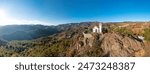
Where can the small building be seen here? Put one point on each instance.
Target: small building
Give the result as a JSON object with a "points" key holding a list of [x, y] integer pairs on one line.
{"points": [[141, 38], [97, 29]]}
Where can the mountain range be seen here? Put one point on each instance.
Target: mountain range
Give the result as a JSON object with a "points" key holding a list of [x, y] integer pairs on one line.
{"points": [[26, 32], [119, 39]]}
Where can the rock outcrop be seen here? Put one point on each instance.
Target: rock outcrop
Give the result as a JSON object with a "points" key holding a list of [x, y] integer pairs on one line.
{"points": [[113, 45], [116, 45]]}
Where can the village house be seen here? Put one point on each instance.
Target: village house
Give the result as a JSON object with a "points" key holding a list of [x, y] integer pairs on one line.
{"points": [[97, 29], [88, 37]]}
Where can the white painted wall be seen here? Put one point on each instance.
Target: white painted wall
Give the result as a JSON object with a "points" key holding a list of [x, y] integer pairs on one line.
{"points": [[98, 29]]}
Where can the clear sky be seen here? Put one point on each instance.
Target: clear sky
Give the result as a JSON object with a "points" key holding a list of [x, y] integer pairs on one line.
{"points": [[53, 12]]}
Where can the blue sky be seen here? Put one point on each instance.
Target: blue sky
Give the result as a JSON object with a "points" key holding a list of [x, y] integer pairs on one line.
{"points": [[51, 12]]}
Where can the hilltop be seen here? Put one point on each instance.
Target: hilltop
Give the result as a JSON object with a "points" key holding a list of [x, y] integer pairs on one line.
{"points": [[119, 39]]}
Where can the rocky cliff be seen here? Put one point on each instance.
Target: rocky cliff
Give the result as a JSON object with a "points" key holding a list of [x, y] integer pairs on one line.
{"points": [[112, 45]]}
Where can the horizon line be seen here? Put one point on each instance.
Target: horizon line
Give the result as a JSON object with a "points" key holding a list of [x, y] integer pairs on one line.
{"points": [[72, 22]]}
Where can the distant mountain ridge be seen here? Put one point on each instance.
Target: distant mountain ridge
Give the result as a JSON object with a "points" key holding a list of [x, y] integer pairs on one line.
{"points": [[29, 32], [26, 32]]}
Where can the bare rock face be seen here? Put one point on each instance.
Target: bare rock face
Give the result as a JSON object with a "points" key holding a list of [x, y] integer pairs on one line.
{"points": [[115, 45], [111, 45], [147, 49]]}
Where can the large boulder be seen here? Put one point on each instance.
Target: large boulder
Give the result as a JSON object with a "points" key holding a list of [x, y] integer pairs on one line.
{"points": [[116, 45]]}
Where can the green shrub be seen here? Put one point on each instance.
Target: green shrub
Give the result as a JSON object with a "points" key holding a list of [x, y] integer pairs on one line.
{"points": [[124, 31], [147, 34], [57, 49]]}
